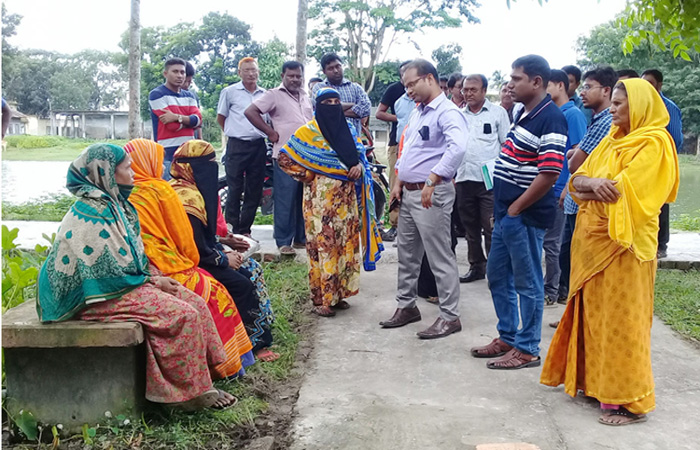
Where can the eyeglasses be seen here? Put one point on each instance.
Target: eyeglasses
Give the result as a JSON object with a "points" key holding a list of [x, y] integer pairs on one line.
{"points": [[470, 91], [587, 87], [412, 84]]}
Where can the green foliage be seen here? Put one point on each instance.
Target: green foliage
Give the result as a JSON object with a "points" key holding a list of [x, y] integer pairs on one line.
{"points": [[386, 73], [48, 148], [677, 301], [497, 79], [270, 60], [687, 222], [21, 141], [28, 424], [447, 58], [669, 25], [20, 269], [50, 209], [681, 78], [362, 30]]}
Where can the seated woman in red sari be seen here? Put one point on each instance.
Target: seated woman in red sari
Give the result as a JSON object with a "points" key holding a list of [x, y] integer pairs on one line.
{"points": [[97, 270], [169, 243]]}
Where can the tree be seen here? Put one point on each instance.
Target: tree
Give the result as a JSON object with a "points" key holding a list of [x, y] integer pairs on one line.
{"points": [[270, 60], [302, 20], [135, 70], [385, 74], [681, 78], [497, 79], [364, 30], [447, 58]]}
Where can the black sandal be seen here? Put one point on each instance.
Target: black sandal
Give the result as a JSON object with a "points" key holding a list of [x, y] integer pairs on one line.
{"points": [[634, 418]]}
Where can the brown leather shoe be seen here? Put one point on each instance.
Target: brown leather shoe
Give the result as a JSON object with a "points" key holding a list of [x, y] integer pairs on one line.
{"points": [[496, 348], [402, 317], [441, 328]]}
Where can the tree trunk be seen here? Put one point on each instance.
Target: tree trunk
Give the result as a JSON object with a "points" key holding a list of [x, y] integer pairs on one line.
{"points": [[302, 19], [135, 70]]}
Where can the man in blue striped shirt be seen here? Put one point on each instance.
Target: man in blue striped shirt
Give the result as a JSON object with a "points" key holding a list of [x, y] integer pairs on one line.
{"points": [[675, 128]]}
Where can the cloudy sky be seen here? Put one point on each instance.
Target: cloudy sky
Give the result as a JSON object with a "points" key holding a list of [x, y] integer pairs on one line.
{"points": [[503, 34]]}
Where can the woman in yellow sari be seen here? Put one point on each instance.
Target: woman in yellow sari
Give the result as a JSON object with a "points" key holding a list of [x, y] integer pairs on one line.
{"points": [[602, 345], [170, 246]]}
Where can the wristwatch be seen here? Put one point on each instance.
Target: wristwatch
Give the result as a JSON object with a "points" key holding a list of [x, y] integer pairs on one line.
{"points": [[429, 183], [179, 119]]}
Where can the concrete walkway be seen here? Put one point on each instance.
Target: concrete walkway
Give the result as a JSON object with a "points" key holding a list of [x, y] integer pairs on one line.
{"points": [[371, 388]]}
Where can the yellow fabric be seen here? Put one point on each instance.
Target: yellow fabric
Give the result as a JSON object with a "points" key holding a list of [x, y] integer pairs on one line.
{"points": [[165, 229], [644, 164], [603, 342], [183, 178]]}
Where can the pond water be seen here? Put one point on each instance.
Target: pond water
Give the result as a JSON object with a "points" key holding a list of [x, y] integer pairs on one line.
{"points": [[23, 181]]}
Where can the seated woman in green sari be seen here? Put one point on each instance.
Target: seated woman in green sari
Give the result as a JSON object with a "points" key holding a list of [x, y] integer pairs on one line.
{"points": [[97, 270], [329, 158]]}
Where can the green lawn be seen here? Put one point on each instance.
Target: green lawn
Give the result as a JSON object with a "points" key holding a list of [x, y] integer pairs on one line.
{"points": [[677, 301]]}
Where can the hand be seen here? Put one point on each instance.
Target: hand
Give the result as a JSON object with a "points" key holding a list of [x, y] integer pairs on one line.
{"points": [[273, 137], [166, 284], [236, 243], [426, 196], [604, 189], [562, 197], [169, 117], [513, 211], [235, 260], [395, 193], [355, 172]]}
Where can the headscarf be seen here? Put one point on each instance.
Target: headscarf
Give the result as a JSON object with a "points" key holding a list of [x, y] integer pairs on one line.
{"points": [[165, 229], [309, 148], [334, 127], [98, 254], [644, 164], [195, 177]]}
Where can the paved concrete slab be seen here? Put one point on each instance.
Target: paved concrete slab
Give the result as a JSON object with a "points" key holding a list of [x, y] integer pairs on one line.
{"points": [[370, 388]]}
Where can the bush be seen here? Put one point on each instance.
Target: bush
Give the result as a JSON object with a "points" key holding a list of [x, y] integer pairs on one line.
{"points": [[27, 141], [50, 209], [211, 132], [20, 269]]}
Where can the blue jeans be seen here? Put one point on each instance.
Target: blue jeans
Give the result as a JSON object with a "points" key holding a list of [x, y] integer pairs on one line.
{"points": [[514, 269], [167, 162], [288, 212]]}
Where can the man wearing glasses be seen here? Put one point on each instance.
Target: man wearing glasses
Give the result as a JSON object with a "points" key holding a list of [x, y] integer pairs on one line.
{"points": [[435, 140], [488, 129]]}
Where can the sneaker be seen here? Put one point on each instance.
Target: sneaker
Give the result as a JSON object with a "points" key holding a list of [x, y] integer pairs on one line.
{"points": [[562, 301], [660, 254], [389, 235], [548, 301]]}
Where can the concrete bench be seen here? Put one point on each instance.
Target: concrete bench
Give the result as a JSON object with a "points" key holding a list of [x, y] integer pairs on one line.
{"points": [[72, 372]]}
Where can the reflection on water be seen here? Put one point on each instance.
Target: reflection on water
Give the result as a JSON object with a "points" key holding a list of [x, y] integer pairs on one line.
{"points": [[29, 180], [688, 201]]}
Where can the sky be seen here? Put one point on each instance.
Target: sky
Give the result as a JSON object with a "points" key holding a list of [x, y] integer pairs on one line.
{"points": [[502, 36]]}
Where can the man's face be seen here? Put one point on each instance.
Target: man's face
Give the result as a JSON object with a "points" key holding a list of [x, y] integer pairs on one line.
{"points": [[522, 87], [334, 72], [175, 75], [249, 72], [293, 79], [456, 92], [573, 85], [593, 94], [417, 86], [402, 70], [557, 91], [474, 92], [187, 83], [653, 82], [505, 97], [443, 86]]}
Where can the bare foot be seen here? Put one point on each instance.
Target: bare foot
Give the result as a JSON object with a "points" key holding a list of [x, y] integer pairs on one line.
{"points": [[619, 417], [224, 401], [266, 355]]}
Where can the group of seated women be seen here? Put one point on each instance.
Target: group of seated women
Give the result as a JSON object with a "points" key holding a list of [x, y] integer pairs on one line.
{"points": [[134, 247]]}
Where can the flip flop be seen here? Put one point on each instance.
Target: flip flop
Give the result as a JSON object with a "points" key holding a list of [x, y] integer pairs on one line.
{"points": [[203, 401], [222, 395], [316, 311], [634, 418]]}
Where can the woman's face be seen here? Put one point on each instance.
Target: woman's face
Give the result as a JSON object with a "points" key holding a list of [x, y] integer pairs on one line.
{"points": [[620, 109], [124, 174], [331, 101]]}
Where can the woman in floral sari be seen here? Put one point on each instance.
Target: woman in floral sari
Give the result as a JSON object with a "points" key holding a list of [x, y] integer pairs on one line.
{"points": [[97, 270], [329, 158], [602, 345], [194, 174], [169, 244]]}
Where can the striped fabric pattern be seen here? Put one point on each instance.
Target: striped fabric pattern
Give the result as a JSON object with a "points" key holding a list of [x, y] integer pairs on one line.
{"points": [[172, 135]]}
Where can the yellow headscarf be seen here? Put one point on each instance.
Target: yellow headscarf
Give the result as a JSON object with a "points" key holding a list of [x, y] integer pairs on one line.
{"points": [[644, 164], [183, 178]]}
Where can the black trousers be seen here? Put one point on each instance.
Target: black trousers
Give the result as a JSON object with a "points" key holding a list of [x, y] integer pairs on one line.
{"points": [[475, 205], [664, 227], [245, 173]]}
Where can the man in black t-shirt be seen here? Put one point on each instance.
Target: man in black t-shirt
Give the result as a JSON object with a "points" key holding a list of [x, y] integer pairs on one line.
{"points": [[386, 112]]}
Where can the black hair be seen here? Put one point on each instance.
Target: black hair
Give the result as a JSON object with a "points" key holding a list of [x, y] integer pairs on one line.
{"points": [[534, 66], [401, 66], [423, 68], [189, 69], [605, 75], [629, 73], [454, 79], [175, 62], [480, 77], [656, 73], [559, 76], [292, 65], [573, 70], [329, 58], [442, 78], [315, 80]]}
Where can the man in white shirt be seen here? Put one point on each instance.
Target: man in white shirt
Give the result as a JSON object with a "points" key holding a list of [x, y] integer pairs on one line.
{"points": [[488, 127]]}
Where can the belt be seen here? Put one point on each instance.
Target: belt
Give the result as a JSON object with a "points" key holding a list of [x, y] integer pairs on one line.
{"points": [[414, 186]]}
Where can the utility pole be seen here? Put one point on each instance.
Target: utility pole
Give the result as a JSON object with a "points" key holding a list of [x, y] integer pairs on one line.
{"points": [[302, 18], [135, 70]]}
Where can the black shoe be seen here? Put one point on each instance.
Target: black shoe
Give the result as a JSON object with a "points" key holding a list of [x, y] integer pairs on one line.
{"points": [[562, 300], [472, 275], [660, 254], [389, 235], [549, 301]]}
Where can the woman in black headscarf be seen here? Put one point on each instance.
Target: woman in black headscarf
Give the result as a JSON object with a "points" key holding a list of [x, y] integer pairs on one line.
{"points": [[328, 157]]}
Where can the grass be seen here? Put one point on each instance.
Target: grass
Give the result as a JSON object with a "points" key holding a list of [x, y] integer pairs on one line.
{"points": [[48, 148], [677, 301], [209, 429]]}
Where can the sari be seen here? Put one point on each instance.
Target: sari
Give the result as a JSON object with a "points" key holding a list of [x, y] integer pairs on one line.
{"points": [[169, 245], [602, 345], [97, 270]]}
